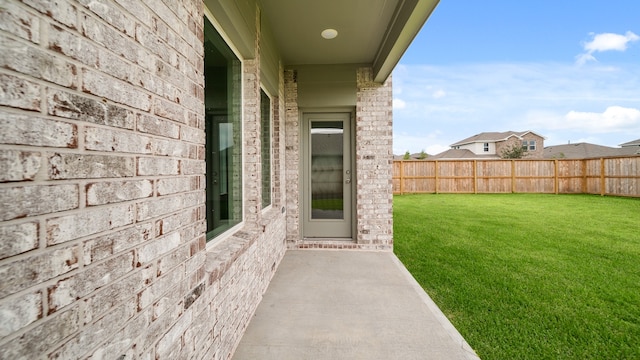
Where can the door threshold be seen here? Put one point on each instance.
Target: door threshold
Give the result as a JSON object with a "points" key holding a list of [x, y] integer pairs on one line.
{"points": [[319, 239], [327, 244]]}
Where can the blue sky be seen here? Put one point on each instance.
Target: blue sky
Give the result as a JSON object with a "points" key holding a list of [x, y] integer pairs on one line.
{"points": [[568, 70]]}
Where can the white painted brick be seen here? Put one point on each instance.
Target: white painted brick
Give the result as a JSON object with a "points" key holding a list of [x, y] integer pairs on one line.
{"points": [[19, 165], [60, 10], [44, 336], [157, 289], [76, 166], [115, 66], [117, 292], [35, 131], [18, 238], [175, 221], [157, 166], [192, 135], [169, 110], [157, 248], [100, 139], [31, 271], [174, 185], [111, 14], [21, 201], [158, 126], [20, 93], [36, 62], [70, 44], [65, 291], [19, 22], [115, 90], [172, 338], [109, 37], [102, 247], [92, 335], [119, 346], [173, 259], [192, 167], [88, 222], [19, 313], [169, 148], [117, 191]]}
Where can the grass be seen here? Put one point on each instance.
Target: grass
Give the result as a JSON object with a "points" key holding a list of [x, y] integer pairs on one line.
{"points": [[528, 276]]}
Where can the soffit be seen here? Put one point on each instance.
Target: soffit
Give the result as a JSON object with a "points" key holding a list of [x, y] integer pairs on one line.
{"points": [[369, 31]]}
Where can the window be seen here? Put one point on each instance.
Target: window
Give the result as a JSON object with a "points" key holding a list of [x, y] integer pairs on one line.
{"points": [[529, 145], [223, 120], [486, 147], [265, 144]]}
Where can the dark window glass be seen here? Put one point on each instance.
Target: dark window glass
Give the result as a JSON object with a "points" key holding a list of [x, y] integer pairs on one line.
{"points": [[265, 144], [223, 105]]}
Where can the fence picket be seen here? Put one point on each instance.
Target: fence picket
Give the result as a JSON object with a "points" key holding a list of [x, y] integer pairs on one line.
{"points": [[618, 176]]}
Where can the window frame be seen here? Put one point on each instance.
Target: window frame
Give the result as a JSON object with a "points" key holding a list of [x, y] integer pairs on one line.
{"points": [[211, 242], [529, 145], [485, 147], [264, 91]]}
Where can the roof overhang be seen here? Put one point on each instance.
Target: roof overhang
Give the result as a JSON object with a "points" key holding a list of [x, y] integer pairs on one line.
{"points": [[375, 33]]}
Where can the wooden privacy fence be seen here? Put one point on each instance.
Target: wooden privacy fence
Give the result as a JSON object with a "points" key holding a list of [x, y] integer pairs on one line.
{"points": [[618, 176]]}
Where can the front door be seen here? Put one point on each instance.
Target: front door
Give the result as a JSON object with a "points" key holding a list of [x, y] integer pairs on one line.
{"points": [[327, 175]]}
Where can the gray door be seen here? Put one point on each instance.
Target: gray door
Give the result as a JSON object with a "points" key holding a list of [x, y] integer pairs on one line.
{"points": [[327, 175]]}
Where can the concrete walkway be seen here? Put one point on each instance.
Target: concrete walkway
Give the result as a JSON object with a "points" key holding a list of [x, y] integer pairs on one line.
{"points": [[348, 305]]}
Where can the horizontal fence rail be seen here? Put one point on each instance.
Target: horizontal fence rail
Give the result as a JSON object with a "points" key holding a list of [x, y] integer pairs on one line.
{"points": [[618, 176]]}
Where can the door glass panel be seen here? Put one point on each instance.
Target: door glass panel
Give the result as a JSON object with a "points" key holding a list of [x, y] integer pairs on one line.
{"points": [[327, 150]]}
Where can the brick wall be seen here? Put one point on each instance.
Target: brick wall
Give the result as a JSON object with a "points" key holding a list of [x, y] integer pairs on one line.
{"points": [[374, 162], [292, 156], [102, 169]]}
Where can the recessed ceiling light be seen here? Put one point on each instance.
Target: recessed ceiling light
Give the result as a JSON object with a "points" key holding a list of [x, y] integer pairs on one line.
{"points": [[329, 33]]}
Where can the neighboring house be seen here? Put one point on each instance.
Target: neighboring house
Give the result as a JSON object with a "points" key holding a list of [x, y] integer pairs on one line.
{"points": [[157, 158], [585, 151], [462, 154], [631, 147], [490, 145], [414, 156]]}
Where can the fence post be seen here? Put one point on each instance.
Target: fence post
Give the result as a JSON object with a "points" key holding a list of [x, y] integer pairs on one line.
{"points": [[401, 177], [513, 176], [475, 176], [602, 179], [584, 176], [437, 170], [556, 180]]}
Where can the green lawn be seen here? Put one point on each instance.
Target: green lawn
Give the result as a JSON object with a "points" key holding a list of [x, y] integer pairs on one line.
{"points": [[528, 276]]}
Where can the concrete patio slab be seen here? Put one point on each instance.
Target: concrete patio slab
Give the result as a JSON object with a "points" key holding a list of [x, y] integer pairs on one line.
{"points": [[327, 304]]}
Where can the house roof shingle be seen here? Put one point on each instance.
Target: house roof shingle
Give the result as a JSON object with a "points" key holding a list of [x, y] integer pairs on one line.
{"points": [[493, 137], [453, 154], [585, 151], [631, 143]]}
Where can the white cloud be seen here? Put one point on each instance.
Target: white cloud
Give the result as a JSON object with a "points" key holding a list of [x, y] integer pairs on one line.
{"points": [[609, 41], [614, 118], [605, 42], [439, 94], [561, 101], [399, 104]]}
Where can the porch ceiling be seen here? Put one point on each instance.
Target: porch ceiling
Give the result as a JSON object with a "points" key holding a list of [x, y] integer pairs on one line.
{"points": [[375, 32]]}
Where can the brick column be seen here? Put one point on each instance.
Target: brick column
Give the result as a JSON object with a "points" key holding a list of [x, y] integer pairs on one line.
{"points": [[292, 156], [374, 162]]}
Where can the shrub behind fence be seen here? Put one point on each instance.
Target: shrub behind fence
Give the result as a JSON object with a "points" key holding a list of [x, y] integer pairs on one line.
{"points": [[619, 176]]}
